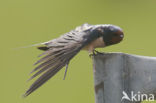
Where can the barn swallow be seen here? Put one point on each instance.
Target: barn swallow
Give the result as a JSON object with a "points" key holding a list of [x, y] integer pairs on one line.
{"points": [[58, 52]]}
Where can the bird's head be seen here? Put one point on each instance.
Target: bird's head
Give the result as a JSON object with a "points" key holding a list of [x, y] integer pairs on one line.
{"points": [[111, 34]]}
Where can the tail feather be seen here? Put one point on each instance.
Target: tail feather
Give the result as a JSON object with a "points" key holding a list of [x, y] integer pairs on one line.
{"points": [[34, 45], [44, 48]]}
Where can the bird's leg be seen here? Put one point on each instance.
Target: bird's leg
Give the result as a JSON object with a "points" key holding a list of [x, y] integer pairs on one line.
{"points": [[92, 54], [95, 52]]}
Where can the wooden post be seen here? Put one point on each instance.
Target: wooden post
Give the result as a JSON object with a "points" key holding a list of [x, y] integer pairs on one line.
{"points": [[117, 73]]}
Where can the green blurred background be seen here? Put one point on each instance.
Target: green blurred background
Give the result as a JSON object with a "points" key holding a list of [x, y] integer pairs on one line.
{"points": [[26, 22]]}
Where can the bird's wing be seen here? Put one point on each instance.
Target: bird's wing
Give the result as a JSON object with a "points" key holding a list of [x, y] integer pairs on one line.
{"points": [[60, 51]]}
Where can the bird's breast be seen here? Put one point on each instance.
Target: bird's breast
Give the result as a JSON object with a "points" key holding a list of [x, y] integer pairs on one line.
{"points": [[98, 43]]}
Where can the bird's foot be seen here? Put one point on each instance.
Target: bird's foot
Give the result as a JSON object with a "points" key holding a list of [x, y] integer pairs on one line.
{"points": [[95, 52], [91, 55]]}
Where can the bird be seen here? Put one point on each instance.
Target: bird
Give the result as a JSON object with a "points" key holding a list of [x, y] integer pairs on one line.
{"points": [[58, 52]]}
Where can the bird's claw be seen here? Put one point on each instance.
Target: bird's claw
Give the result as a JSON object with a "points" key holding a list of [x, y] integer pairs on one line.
{"points": [[90, 55], [95, 52]]}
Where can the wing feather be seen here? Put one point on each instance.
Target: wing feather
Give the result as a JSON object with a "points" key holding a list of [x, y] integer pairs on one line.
{"points": [[51, 70], [59, 54]]}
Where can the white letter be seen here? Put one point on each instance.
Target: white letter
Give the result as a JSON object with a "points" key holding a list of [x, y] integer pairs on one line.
{"points": [[144, 97], [151, 97], [133, 96]]}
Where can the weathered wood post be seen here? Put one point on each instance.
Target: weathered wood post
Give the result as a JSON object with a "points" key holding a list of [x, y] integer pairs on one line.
{"points": [[120, 76]]}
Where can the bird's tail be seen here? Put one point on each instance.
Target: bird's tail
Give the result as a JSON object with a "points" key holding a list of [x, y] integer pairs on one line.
{"points": [[38, 45], [34, 45]]}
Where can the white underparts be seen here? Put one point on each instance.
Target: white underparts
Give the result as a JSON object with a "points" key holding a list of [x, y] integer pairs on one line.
{"points": [[98, 43]]}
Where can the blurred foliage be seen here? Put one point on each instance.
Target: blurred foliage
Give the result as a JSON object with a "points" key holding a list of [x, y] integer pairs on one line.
{"points": [[26, 22]]}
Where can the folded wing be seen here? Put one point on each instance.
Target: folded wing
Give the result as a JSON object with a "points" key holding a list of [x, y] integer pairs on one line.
{"points": [[57, 53]]}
